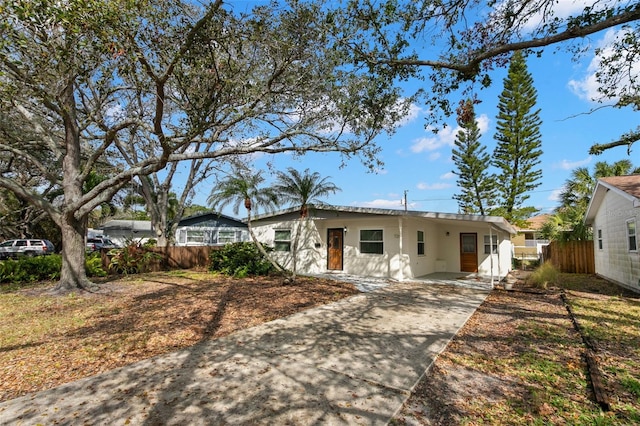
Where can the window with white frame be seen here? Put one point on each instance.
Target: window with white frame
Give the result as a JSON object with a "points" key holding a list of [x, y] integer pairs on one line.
{"points": [[599, 239], [371, 241], [420, 243], [631, 235], [225, 237], [195, 236], [490, 244], [282, 240]]}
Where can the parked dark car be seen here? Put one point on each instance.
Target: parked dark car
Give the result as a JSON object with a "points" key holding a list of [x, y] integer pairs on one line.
{"points": [[25, 247], [98, 243]]}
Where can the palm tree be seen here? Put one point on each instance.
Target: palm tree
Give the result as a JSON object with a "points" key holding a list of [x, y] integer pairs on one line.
{"points": [[242, 188], [567, 223], [302, 189]]}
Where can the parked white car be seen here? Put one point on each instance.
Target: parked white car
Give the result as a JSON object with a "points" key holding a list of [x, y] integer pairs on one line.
{"points": [[26, 247]]}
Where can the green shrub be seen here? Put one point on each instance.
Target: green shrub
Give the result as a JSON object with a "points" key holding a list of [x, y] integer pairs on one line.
{"points": [[239, 260], [31, 269], [132, 259], [516, 263], [93, 265], [544, 275]]}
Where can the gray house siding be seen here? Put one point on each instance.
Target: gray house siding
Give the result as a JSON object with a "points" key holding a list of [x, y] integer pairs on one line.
{"points": [[210, 229]]}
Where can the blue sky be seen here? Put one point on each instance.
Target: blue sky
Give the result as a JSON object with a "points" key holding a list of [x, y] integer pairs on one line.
{"points": [[420, 162]]}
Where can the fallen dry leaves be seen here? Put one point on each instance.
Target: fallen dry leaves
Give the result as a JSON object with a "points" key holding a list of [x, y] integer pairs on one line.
{"points": [[48, 340], [519, 360]]}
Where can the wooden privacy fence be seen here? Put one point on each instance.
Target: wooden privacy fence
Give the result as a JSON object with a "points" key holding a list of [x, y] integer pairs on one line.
{"points": [[175, 257], [185, 257], [572, 256]]}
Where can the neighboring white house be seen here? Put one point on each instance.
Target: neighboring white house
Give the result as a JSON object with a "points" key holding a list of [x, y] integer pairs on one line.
{"points": [[121, 231], [389, 243], [210, 229], [614, 213]]}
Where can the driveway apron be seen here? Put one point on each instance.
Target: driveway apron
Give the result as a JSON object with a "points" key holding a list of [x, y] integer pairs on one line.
{"points": [[351, 362]]}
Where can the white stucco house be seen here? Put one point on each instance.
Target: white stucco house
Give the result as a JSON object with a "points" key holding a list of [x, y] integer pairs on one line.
{"points": [[395, 244], [614, 213]]}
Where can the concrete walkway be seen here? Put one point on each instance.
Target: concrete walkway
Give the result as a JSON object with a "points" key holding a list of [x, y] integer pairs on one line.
{"points": [[351, 362]]}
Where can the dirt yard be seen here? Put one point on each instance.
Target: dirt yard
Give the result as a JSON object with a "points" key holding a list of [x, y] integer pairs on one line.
{"points": [[49, 340], [518, 360]]}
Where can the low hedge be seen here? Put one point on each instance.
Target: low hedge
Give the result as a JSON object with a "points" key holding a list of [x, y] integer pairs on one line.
{"points": [[40, 268]]}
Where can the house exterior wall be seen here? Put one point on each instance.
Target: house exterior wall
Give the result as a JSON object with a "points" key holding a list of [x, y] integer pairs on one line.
{"points": [[205, 230], [520, 250], [448, 248], [400, 259], [527, 245], [614, 260], [209, 236]]}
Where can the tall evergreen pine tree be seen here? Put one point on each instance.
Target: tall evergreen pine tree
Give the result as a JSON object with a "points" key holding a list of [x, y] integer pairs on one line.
{"points": [[518, 150], [472, 162]]}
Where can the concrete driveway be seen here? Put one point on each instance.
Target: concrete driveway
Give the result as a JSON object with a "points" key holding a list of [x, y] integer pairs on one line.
{"points": [[351, 362]]}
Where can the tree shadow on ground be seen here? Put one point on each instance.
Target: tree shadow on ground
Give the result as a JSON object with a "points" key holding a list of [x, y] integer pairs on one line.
{"points": [[353, 361]]}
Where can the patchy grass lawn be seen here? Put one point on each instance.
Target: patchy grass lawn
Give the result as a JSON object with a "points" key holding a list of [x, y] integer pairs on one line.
{"points": [[48, 340], [520, 361], [517, 361]]}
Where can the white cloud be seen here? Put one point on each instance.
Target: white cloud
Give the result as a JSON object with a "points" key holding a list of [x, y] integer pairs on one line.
{"points": [[114, 113], [570, 165], [555, 194], [433, 186], [446, 137], [380, 204], [434, 156], [483, 123], [443, 138], [586, 88], [561, 9], [448, 176], [413, 113]]}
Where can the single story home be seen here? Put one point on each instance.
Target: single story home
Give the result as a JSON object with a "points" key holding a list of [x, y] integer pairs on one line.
{"points": [[528, 243], [395, 244], [210, 229], [614, 213]]}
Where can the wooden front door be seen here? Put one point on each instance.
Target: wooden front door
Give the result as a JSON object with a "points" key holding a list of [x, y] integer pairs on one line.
{"points": [[468, 252], [335, 248]]}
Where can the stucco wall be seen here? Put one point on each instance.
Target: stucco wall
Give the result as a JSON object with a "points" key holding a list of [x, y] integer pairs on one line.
{"points": [[614, 261], [400, 259]]}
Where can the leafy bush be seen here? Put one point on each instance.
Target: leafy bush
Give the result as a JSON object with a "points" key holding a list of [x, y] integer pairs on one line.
{"points": [[544, 275], [30, 269], [239, 260], [133, 258], [93, 265]]}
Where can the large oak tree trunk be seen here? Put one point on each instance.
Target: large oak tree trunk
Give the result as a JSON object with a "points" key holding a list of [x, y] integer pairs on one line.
{"points": [[73, 275]]}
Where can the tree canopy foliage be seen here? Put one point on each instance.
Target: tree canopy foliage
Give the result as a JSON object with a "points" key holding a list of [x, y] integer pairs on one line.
{"points": [[472, 164], [567, 222], [519, 143], [456, 44], [137, 87], [143, 85]]}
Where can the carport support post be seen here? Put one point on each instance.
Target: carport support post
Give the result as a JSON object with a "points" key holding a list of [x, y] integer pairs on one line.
{"points": [[491, 253], [401, 254]]}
